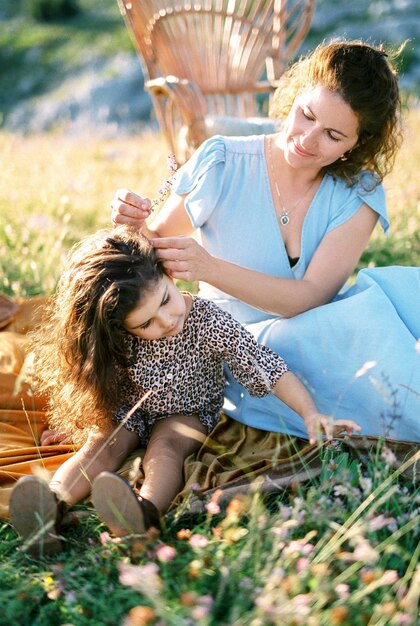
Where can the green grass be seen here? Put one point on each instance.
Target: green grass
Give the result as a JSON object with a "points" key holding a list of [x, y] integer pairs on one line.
{"points": [[55, 189], [402, 246], [37, 57], [341, 549], [326, 553]]}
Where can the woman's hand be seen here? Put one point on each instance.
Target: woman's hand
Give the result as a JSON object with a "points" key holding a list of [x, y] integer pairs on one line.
{"points": [[183, 258], [318, 424], [129, 208], [49, 437]]}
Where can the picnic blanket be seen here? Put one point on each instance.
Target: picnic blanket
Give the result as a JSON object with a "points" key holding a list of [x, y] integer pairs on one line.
{"points": [[232, 458]]}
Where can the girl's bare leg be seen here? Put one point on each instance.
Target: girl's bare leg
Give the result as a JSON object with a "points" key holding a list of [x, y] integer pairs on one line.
{"points": [[172, 440], [73, 480], [34, 511]]}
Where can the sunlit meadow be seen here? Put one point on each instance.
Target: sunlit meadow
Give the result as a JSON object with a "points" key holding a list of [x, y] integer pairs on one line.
{"points": [[340, 549]]}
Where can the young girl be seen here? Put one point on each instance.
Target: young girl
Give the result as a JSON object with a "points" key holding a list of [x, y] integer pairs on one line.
{"points": [[123, 348]]}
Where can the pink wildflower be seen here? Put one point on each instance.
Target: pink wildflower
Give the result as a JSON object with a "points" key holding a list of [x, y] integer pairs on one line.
{"points": [[277, 574], [140, 577], [365, 552], [280, 532], [205, 600], [389, 577], [302, 564], [171, 163], [403, 619], [200, 612], [366, 484], [388, 457], [376, 523], [343, 591], [285, 511], [165, 553], [301, 604], [105, 538], [262, 521], [213, 508], [198, 541], [298, 547], [166, 187]]}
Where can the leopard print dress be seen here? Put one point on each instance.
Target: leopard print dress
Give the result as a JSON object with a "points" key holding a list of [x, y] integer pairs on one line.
{"points": [[184, 373]]}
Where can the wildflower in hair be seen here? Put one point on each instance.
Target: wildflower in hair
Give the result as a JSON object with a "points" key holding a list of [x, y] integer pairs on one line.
{"points": [[164, 191]]}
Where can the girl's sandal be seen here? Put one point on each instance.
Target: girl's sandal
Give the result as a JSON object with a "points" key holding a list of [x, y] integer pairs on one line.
{"points": [[120, 509], [36, 514]]}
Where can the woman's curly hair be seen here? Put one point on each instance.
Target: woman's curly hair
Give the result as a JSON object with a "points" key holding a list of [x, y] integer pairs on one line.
{"points": [[80, 348], [365, 77]]}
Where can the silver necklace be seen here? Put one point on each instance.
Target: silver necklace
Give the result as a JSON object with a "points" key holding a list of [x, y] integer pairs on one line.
{"points": [[285, 213]]}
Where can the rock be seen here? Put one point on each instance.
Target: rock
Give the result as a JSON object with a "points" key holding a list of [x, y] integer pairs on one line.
{"points": [[379, 21], [106, 97]]}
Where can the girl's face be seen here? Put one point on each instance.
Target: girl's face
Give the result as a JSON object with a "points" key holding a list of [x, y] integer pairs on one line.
{"points": [[320, 128], [160, 313]]}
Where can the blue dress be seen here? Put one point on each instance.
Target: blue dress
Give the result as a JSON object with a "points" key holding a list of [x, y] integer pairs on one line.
{"points": [[358, 355]]}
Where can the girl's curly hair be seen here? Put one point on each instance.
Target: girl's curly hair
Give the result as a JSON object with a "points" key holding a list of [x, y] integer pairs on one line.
{"points": [[80, 349], [366, 79]]}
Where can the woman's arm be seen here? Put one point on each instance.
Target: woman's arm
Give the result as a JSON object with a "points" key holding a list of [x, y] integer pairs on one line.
{"points": [[330, 267], [169, 221]]}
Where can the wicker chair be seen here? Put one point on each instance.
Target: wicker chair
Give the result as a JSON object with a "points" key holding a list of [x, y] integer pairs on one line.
{"points": [[204, 61]]}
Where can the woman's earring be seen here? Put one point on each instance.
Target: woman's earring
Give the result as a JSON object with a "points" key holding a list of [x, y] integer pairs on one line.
{"points": [[343, 157]]}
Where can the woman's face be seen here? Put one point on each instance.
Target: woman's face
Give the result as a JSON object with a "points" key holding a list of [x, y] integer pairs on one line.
{"points": [[160, 313], [320, 128]]}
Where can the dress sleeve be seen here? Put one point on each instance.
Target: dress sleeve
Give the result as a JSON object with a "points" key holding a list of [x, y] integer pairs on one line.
{"points": [[202, 179], [349, 200], [253, 365]]}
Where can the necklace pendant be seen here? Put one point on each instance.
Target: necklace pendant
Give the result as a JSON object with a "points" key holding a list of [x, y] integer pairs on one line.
{"points": [[284, 218]]}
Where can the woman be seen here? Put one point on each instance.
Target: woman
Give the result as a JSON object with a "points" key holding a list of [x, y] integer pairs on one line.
{"points": [[282, 221]]}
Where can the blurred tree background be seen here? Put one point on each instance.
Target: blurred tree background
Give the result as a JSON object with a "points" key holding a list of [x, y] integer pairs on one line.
{"points": [[62, 61]]}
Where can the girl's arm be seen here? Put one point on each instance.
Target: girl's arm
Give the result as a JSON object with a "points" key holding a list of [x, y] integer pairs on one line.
{"points": [[260, 370], [330, 267], [292, 392]]}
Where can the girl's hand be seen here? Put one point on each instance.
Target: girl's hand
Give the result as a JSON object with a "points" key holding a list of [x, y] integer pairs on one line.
{"points": [[183, 258], [318, 424], [48, 437], [129, 208]]}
